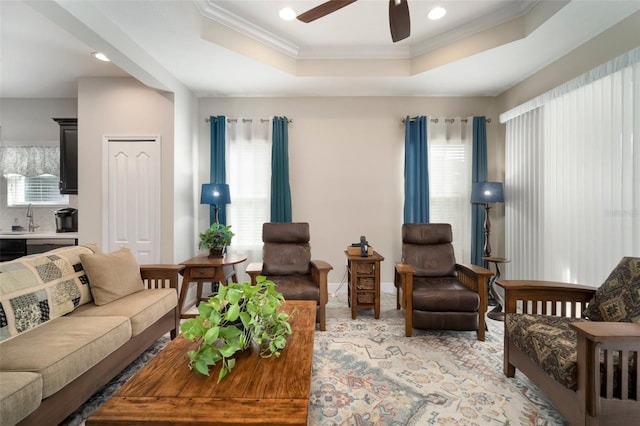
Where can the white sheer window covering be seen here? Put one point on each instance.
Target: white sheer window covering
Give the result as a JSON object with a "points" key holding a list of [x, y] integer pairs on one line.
{"points": [[573, 182], [248, 166], [450, 144]]}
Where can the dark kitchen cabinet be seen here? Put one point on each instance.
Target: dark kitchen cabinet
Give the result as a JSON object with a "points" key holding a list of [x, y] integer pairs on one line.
{"points": [[68, 155]]}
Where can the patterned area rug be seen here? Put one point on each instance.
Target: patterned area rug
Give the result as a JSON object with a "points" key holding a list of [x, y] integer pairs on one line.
{"points": [[365, 372]]}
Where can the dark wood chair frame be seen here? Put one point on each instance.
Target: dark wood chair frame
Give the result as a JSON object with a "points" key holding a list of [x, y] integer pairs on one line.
{"points": [[472, 276], [596, 341], [58, 406]]}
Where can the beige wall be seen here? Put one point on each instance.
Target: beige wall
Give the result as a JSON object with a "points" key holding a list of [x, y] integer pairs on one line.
{"points": [[346, 164], [121, 107]]}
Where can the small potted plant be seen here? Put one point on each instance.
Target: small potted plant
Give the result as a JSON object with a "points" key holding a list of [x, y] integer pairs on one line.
{"points": [[216, 238], [235, 317]]}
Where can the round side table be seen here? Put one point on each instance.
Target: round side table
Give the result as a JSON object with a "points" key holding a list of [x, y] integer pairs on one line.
{"points": [[496, 313]]}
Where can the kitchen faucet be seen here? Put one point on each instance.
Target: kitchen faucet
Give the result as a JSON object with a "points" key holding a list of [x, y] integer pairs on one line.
{"points": [[32, 227]]}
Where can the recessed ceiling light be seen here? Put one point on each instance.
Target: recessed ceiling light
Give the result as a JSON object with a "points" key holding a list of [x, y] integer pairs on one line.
{"points": [[101, 56], [437, 13], [287, 14]]}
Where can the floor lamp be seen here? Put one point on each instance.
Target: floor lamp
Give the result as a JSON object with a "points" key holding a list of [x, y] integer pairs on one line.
{"points": [[487, 193]]}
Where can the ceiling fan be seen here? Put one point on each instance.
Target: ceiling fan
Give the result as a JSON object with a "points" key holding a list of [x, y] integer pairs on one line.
{"points": [[399, 22]]}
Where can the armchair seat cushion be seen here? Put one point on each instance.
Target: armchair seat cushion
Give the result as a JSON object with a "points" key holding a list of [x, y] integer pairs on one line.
{"points": [[296, 287], [551, 344], [548, 341], [443, 294]]}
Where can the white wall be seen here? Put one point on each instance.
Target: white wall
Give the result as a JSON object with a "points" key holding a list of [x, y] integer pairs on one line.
{"points": [[121, 107], [182, 228], [346, 165], [29, 122]]}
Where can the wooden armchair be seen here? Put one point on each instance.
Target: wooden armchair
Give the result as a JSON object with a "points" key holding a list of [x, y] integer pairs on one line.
{"points": [[287, 262], [436, 292], [587, 368]]}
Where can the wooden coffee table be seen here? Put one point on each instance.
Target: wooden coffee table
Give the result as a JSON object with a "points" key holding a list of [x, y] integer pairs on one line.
{"points": [[259, 391]]}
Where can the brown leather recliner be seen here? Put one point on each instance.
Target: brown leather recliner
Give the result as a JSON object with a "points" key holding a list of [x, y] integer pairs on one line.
{"points": [[436, 292], [287, 262]]}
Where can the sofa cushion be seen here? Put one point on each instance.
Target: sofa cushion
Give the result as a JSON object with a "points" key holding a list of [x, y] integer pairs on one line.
{"points": [[618, 298], [142, 308], [113, 275], [20, 395], [65, 348], [35, 289]]}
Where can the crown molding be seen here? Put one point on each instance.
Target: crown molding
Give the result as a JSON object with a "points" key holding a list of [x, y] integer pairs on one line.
{"points": [[214, 12]]}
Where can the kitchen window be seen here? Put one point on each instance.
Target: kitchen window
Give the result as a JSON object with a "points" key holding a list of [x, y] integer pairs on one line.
{"points": [[36, 190], [31, 174]]}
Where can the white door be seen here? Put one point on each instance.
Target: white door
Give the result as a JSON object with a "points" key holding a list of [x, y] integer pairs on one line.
{"points": [[133, 197]]}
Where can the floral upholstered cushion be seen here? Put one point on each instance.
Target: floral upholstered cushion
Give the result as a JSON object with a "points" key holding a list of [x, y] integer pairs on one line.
{"points": [[552, 345], [618, 298], [38, 288], [548, 341]]}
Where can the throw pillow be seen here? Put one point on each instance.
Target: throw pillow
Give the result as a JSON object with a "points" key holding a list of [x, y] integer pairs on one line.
{"points": [[112, 276], [618, 298]]}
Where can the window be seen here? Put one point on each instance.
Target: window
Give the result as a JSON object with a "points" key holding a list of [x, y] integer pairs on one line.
{"points": [[36, 190], [248, 167], [450, 145], [31, 175]]}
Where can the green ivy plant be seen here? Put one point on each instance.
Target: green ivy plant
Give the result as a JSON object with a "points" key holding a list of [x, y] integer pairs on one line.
{"points": [[216, 236], [238, 315]]}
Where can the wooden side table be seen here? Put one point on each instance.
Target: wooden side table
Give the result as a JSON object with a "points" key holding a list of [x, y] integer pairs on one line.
{"points": [[364, 282], [497, 312], [204, 269]]}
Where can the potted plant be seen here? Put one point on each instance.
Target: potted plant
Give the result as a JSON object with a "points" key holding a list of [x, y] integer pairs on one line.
{"points": [[235, 317], [216, 238]]}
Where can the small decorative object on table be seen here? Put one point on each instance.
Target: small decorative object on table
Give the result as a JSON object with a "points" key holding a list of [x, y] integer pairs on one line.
{"points": [[238, 315], [216, 239]]}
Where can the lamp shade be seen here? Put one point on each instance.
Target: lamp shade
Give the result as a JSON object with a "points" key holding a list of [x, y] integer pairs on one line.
{"points": [[215, 193], [487, 193]]}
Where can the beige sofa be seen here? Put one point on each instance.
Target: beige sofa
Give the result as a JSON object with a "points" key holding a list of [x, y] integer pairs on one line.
{"points": [[70, 320]]}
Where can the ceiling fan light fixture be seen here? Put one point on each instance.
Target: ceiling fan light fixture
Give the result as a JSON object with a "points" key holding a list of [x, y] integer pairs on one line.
{"points": [[287, 14], [100, 56], [436, 13]]}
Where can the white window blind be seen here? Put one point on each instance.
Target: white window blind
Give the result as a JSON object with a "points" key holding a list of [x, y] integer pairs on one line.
{"points": [[36, 190], [248, 168], [450, 145]]}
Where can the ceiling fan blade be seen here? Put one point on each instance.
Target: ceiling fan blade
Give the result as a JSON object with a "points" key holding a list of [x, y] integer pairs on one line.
{"points": [[323, 10], [399, 21]]}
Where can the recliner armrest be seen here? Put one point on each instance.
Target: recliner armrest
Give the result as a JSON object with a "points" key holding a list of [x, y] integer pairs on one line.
{"points": [[321, 265]]}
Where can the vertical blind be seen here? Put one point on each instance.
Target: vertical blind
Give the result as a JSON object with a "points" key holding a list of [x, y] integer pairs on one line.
{"points": [[573, 182]]}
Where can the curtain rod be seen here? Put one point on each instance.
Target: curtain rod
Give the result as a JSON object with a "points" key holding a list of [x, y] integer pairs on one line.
{"points": [[447, 120], [249, 120]]}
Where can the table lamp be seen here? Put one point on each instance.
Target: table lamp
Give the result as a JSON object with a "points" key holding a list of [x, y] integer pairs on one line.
{"points": [[487, 193], [215, 194]]}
